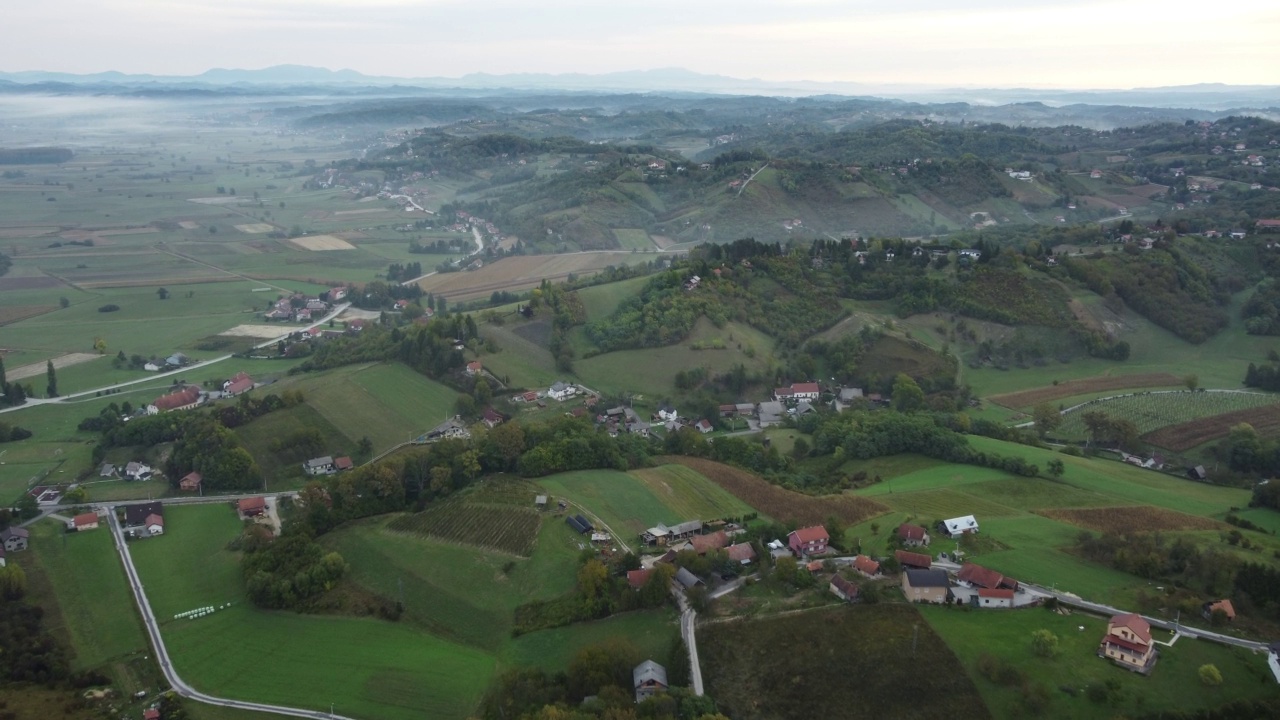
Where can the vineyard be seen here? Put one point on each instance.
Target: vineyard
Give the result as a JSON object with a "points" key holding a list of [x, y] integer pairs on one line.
{"points": [[1184, 436], [1153, 411], [505, 529], [1143, 518], [781, 504], [504, 490]]}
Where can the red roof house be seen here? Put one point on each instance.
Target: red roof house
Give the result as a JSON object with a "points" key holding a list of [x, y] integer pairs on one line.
{"points": [[151, 714], [250, 507], [191, 481], [343, 463], [866, 566], [85, 521], [1223, 605], [912, 534], [637, 578], [909, 559], [238, 384], [187, 397], [703, 544], [809, 541], [978, 576], [741, 552], [474, 367]]}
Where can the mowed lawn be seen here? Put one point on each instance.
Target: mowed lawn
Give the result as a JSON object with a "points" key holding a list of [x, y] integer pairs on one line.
{"points": [[388, 402], [689, 495], [1172, 686], [367, 668], [95, 606], [620, 500], [652, 631]]}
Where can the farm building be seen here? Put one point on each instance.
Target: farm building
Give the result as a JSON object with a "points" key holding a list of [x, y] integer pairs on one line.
{"points": [[797, 391], [1128, 643], [188, 397], [252, 507], [976, 576], [107, 470], [637, 578], [912, 535], [929, 586], [843, 589], [703, 544], [808, 541], [343, 463], [917, 561], [190, 482], [846, 398], [993, 598], [15, 538], [83, 521], [955, 527], [662, 534], [771, 413], [687, 579], [741, 553], [578, 523], [540, 502], [238, 384], [649, 679]]}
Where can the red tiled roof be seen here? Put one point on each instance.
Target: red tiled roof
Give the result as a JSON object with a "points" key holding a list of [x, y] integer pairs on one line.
{"points": [[980, 576], [706, 543], [84, 519], [866, 565], [741, 552], [191, 479], [343, 463], [1226, 607], [637, 578], [154, 519], [240, 383], [1128, 645], [844, 585], [906, 531], [253, 503], [1135, 623], [151, 714], [810, 534], [915, 560], [180, 398], [997, 593], [474, 366], [814, 566], [805, 388]]}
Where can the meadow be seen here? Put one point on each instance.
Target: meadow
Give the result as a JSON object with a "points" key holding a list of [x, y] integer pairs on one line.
{"points": [[690, 495]]}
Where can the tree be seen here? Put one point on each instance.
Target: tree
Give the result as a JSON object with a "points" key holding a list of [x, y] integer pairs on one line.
{"points": [[365, 446], [1047, 418], [162, 293], [1044, 643], [63, 302], [1056, 468], [100, 346], [1192, 382], [1210, 675], [13, 582], [52, 376], [907, 395], [76, 496]]}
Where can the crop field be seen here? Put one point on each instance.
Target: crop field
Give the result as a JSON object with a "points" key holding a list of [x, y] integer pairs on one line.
{"points": [[39, 369], [1071, 388], [944, 503], [519, 273], [1186, 435], [1143, 518], [259, 332], [633, 239], [1151, 411], [689, 494], [94, 608], [255, 228], [321, 243], [503, 529], [861, 656], [781, 504]]}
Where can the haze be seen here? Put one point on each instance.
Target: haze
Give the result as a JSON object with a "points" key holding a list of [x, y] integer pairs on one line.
{"points": [[964, 43]]}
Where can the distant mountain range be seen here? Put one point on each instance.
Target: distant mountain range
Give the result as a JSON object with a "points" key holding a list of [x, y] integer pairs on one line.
{"points": [[666, 80]]}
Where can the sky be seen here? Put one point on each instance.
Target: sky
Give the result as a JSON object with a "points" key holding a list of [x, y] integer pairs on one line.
{"points": [[957, 43]]}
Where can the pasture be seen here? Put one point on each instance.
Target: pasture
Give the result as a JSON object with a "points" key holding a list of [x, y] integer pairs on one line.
{"points": [[1143, 518], [633, 239], [1151, 411], [690, 495], [619, 500]]}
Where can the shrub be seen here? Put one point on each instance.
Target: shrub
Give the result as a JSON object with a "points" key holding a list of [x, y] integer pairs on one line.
{"points": [[108, 308], [1044, 643], [1210, 675]]}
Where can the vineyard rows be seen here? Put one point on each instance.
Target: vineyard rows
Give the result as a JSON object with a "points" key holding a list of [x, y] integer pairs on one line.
{"points": [[505, 529], [1184, 436], [1152, 411]]}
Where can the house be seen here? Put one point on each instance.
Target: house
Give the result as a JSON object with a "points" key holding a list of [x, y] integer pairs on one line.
{"points": [[687, 579], [843, 589], [492, 418], [562, 391], [798, 391], [637, 578], [661, 534], [107, 470], [15, 538], [1228, 610], [140, 519], [238, 384], [704, 426], [866, 566], [994, 598], [845, 398], [771, 413], [742, 553], [667, 413], [649, 679], [929, 586], [474, 367], [814, 566], [84, 521], [151, 367], [252, 506], [137, 471], [916, 561], [151, 714], [1128, 643], [808, 541], [153, 525], [912, 535], [1198, 473], [955, 527], [1238, 234], [190, 482], [976, 576], [187, 397], [176, 360], [343, 463], [703, 544], [319, 466]]}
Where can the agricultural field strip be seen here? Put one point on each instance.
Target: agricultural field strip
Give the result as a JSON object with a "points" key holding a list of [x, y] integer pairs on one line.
{"points": [[494, 527], [1159, 408], [1083, 386], [1184, 436]]}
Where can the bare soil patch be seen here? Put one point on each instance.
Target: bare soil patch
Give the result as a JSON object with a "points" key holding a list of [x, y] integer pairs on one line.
{"points": [[266, 332], [33, 282], [1142, 518], [321, 243], [188, 225], [15, 313], [255, 228], [514, 274], [1184, 436], [34, 369], [1083, 316], [1070, 388]]}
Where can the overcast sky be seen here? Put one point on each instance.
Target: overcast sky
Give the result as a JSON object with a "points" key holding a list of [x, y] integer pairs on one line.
{"points": [[988, 43]]}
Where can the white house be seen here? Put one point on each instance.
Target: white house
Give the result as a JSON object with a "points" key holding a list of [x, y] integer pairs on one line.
{"points": [[667, 413], [137, 471], [955, 527], [562, 391]]}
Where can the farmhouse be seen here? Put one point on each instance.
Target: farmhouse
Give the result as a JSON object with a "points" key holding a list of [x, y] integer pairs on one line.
{"points": [[474, 367], [649, 679], [1128, 643], [153, 525], [540, 502], [190, 482], [320, 466], [1224, 606], [667, 413], [703, 426], [14, 538], [562, 391], [918, 561], [184, 399], [252, 507], [912, 535], [996, 598], [843, 589], [83, 521], [808, 541], [797, 391], [976, 576], [866, 566], [238, 384], [661, 534], [930, 586], [771, 413], [742, 553], [343, 463], [492, 418], [703, 544], [956, 527]]}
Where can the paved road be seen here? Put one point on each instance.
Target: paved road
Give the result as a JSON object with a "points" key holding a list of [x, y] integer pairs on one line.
{"points": [[162, 653], [688, 619]]}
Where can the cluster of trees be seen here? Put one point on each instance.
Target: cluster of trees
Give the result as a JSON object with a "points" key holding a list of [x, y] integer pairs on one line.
{"points": [[399, 272], [31, 654], [1266, 376], [12, 393], [379, 295], [213, 450], [1259, 586], [429, 349], [1154, 557], [439, 247], [1246, 452], [286, 573], [10, 432], [601, 591], [1261, 312]]}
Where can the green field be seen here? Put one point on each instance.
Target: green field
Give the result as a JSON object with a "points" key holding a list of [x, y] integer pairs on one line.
{"points": [[633, 239], [652, 631], [284, 470], [95, 610], [690, 495], [1173, 685], [619, 500], [1151, 411], [601, 300]]}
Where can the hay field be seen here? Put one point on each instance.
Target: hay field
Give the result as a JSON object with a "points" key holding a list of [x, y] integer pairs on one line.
{"points": [[514, 274], [255, 228], [321, 243]]}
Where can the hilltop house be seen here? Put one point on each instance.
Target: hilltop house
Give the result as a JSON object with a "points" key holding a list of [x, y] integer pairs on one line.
{"points": [[83, 521], [808, 541], [649, 679], [1128, 643], [843, 589], [928, 586], [912, 535], [956, 527]]}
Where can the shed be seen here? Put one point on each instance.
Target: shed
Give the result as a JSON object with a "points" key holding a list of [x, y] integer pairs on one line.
{"points": [[649, 679], [687, 579]]}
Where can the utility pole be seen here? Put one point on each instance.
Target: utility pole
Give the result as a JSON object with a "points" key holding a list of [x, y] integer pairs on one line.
{"points": [[915, 636]]}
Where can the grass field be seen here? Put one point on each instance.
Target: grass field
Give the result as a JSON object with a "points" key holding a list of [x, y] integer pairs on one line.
{"points": [[690, 495], [633, 239], [652, 631], [1173, 685], [625, 504], [501, 529], [1152, 411], [283, 470], [601, 300], [95, 611]]}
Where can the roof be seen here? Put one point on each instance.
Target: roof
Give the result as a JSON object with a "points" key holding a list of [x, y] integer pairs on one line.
{"points": [[1225, 606], [999, 593], [815, 566], [805, 387], [151, 714], [154, 519], [1134, 622], [687, 526], [649, 672], [137, 514], [907, 531], [560, 387], [14, 532], [927, 578], [911, 559], [177, 399], [687, 579], [707, 543], [320, 461], [961, 524], [847, 394], [741, 552], [540, 500], [240, 383], [864, 564], [637, 578], [107, 470], [191, 478], [844, 585], [493, 416], [343, 463], [83, 519], [251, 504], [809, 534], [474, 366], [980, 576]]}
